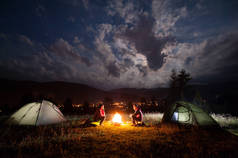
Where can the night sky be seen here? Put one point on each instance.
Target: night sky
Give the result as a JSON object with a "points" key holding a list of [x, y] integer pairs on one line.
{"points": [[118, 43]]}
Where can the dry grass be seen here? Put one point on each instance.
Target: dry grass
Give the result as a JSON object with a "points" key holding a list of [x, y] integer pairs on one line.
{"points": [[152, 118], [225, 120], [69, 140]]}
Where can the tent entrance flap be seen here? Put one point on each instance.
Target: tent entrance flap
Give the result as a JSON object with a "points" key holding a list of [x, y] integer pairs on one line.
{"points": [[181, 114]]}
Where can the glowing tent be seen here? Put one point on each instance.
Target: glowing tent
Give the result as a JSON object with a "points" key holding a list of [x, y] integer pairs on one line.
{"points": [[37, 113], [187, 113]]}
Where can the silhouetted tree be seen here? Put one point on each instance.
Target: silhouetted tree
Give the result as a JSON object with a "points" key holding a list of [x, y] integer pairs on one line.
{"points": [[177, 84], [68, 107], [183, 79], [86, 106]]}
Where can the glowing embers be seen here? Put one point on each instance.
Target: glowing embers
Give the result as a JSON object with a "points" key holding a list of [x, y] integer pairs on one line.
{"points": [[117, 120]]}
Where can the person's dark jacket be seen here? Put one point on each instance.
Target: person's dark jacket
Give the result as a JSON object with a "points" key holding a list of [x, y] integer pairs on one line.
{"points": [[138, 115]]}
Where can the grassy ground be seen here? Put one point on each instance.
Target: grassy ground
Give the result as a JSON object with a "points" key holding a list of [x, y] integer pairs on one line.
{"points": [[228, 122], [71, 140]]}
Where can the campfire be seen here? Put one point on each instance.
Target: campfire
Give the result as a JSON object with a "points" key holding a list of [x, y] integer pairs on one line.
{"points": [[117, 119]]}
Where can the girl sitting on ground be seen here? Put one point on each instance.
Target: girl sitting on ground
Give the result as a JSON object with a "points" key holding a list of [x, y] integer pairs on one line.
{"points": [[99, 115]]}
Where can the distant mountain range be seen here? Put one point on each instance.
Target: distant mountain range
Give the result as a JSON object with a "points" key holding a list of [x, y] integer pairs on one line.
{"points": [[12, 93]]}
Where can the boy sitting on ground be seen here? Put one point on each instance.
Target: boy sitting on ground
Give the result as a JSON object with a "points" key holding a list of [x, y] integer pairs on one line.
{"points": [[137, 117]]}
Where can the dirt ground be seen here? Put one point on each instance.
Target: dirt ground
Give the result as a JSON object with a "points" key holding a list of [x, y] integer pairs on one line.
{"points": [[71, 140]]}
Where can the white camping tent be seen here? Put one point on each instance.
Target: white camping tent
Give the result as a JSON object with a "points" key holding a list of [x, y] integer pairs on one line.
{"points": [[37, 113]]}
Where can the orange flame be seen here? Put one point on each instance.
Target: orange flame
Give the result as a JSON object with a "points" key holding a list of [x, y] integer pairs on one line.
{"points": [[117, 118]]}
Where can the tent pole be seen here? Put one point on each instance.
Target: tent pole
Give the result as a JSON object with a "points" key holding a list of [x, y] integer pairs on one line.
{"points": [[39, 112], [25, 113]]}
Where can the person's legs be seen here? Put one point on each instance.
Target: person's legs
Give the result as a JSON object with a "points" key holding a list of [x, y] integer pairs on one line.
{"points": [[87, 122], [101, 120], [134, 119]]}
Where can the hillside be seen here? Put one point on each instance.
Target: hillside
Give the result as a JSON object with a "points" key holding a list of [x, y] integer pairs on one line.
{"points": [[219, 98], [12, 92], [134, 94]]}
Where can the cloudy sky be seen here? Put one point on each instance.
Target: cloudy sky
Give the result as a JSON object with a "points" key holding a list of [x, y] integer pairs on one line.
{"points": [[118, 43]]}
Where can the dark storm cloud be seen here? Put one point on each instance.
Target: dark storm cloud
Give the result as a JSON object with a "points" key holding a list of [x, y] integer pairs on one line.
{"points": [[118, 43], [113, 69], [40, 10], [217, 61], [128, 63], [16, 46], [146, 43], [64, 49], [225, 50], [188, 60], [58, 61], [25, 40], [142, 69]]}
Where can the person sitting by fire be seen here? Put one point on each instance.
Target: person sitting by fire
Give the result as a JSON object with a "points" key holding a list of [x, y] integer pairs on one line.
{"points": [[99, 115], [137, 117]]}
